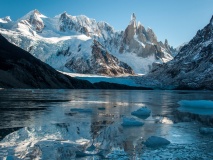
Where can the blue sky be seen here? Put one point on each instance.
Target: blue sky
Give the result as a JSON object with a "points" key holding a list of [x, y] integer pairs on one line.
{"points": [[176, 20]]}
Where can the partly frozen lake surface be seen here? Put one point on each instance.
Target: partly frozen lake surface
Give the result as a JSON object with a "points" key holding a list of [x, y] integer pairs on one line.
{"points": [[87, 124]]}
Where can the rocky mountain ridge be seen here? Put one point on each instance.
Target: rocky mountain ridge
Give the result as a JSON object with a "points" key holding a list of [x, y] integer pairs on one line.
{"points": [[192, 67]]}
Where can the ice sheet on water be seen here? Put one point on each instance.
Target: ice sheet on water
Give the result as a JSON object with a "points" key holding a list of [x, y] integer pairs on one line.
{"points": [[201, 107]]}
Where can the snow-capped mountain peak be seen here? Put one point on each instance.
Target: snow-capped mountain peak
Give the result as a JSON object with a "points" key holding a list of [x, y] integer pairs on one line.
{"points": [[30, 23], [46, 37], [5, 19], [8, 19], [32, 14], [133, 19]]}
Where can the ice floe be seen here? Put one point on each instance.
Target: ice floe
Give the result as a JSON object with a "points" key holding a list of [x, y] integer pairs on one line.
{"points": [[131, 122], [155, 142], [143, 112]]}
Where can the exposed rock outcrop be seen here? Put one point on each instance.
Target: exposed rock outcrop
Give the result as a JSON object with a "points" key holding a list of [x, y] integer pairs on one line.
{"points": [[144, 42], [100, 62]]}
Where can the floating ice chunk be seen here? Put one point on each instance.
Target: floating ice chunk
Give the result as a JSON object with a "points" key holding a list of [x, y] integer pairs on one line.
{"points": [[206, 131], [154, 142], [81, 110], [196, 103], [131, 122], [143, 112], [201, 107]]}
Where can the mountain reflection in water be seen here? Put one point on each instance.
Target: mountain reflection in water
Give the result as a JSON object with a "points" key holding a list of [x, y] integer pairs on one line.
{"points": [[84, 124]]}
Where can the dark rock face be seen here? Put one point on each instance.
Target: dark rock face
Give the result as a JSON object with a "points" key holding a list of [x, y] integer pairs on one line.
{"points": [[101, 62], [192, 68], [19, 69]]}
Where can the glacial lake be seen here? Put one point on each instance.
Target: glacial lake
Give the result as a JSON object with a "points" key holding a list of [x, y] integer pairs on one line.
{"points": [[46, 124]]}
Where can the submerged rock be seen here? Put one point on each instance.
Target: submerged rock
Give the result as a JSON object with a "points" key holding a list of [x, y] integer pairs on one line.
{"points": [[154, 142], [131, 122]]}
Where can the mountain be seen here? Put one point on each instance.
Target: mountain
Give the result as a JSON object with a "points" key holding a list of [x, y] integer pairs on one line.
{"points": [[19, 69], [192, 67], [144, 42], [68, 43]]}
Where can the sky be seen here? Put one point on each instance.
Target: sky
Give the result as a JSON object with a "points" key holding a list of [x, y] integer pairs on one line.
{"points": [[175, 20]]}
